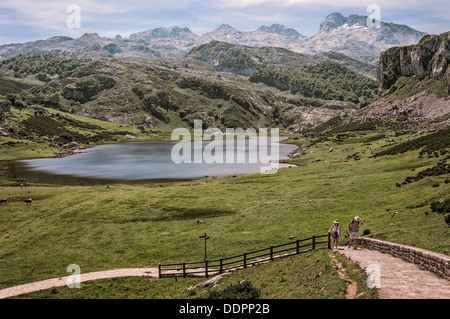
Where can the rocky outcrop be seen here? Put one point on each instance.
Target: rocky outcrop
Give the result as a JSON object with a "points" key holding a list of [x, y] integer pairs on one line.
{"points": [[428, 58], [87, 87], [225, 57]]}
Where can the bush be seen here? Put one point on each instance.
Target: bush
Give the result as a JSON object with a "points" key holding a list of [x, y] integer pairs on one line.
{"points": [[428, 144], [440, 168], [20, 104], [441, 208], [241, 290]]}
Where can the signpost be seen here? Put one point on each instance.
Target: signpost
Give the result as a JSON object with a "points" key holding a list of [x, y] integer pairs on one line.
{"points": [[206, 238]]}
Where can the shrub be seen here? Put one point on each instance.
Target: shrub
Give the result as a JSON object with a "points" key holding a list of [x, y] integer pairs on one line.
{"points": [[428, 144], [20, 104], [441, 208], [241, 290]]}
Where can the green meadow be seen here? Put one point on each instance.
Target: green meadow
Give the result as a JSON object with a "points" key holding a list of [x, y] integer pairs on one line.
{"points": [[141, 225]]}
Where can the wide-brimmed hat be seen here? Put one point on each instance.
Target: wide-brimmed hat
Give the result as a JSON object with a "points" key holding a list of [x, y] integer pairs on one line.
{"points": [[357, 218], [335, 221]]}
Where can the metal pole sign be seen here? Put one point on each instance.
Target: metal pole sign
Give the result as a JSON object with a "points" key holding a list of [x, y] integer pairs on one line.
{"points": [[206, 238]]}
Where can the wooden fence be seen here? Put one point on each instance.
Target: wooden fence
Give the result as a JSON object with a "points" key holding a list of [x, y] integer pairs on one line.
{"points": [[247, 259]]}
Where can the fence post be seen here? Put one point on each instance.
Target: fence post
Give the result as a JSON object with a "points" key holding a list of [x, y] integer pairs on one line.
{"points": [[314, 242], [184, 270], [245, 260], [298, 246], [221, 266], [206, 268], [329, 240], [271, 252], [159, 271]]}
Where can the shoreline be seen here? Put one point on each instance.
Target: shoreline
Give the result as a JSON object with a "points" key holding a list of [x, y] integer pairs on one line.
{"points": [[13, 169]]}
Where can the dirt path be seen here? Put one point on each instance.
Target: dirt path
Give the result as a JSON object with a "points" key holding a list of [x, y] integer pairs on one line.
{"points": [[63, 281], [396, 278], [352, 286]]}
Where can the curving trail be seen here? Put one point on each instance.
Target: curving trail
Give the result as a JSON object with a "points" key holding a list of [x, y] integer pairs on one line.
{"points": [[62, 281]]}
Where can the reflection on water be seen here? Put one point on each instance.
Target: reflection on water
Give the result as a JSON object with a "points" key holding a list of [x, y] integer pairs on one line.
{"points": [[134, 162]]}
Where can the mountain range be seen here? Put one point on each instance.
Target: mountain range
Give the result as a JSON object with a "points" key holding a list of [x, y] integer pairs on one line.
{"points": [[347, 35]]}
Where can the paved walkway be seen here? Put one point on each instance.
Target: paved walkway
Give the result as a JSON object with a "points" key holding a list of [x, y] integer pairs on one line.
{"points": [[396, 278]]}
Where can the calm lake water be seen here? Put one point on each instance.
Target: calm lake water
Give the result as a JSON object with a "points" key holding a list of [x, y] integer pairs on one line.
{"points": [[141, 161]]}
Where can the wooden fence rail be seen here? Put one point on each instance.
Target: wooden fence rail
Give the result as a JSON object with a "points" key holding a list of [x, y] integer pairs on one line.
{"points": [[247, 259]]}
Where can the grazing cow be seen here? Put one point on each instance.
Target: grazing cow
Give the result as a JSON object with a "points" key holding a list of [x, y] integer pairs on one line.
{"points": [[28, 201], [3, 201]]}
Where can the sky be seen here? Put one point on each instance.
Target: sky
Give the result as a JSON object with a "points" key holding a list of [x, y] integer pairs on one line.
{"points": [[29, 20]]}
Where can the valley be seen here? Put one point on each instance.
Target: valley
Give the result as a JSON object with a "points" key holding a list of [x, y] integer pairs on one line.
{"points": [[370, 131]]}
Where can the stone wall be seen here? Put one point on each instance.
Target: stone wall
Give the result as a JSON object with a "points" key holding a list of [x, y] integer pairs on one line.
{"points": [[425, 259]]}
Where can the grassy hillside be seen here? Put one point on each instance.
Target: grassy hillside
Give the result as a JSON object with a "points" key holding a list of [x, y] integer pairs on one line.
{"points": [[395, 178], [328, 76], [172, 93], [325, 80], [142, 225], [44, 132]]}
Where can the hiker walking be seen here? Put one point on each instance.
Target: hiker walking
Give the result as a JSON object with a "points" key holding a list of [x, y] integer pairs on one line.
{"points": [[335, 231], [353, 227]]}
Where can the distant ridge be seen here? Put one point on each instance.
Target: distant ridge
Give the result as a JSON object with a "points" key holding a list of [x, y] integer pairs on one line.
{"points": [[346, 35]]}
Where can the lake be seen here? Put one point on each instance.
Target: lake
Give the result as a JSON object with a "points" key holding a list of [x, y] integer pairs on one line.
{"points": [[142, 161]]}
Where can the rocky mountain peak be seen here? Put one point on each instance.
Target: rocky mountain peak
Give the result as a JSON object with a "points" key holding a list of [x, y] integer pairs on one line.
{"points": [[224, 32], [225, 27], [346, 35], [332, 21], [172, 32], [90, 36], [336, 20], [281, 30], [164, 33], [356, 19]]}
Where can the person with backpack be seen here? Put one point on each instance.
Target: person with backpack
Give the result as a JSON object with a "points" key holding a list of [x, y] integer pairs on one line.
{"points": [[335, 231], [353, 227]]}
